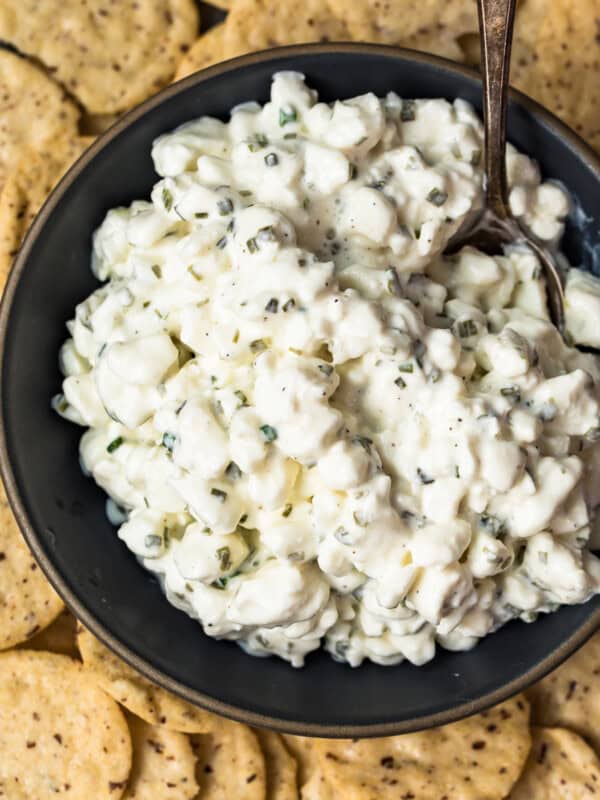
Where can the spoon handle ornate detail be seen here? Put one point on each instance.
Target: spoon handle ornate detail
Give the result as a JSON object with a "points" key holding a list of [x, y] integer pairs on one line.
{"points": [[496, 22]]}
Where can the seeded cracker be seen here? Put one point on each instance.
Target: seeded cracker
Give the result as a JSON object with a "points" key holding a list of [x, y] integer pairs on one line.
{"points": [[26, 189], [109, 55], [34, 110], [163, 764], [281, 767], [560, 765], [570, 696], [143, 698], [557, 60], [230, 763], [478, 758], [60, 735], [258, 24], [207, 50], [428, 25], [27, 601], [58, 637]]}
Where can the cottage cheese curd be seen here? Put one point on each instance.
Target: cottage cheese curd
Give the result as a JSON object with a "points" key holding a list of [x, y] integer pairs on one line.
{"points": [[313, 426]]}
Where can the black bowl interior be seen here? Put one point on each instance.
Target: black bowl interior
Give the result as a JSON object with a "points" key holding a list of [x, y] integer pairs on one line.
{"points": [[62, 512]]}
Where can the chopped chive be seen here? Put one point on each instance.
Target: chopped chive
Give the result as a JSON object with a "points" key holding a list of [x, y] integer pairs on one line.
{"points": [[271, 159], [266, 234], [408, 367], [287, 510], [511, 391], [252, 245], [169, 440], [400, 383], [258, 345], [194, 275], [245, 193], [408, 111], [225, 206], [306, 203], [290, 136], [476, 158], [287, 114], [289, 304], [152, 540], [456, 471], [352, 171], [157, 270], [115, 444], [272, 306], [224, 556], [167, 199], [258, 141], [241, 397], [437, 197], [269, 433], [233, 472], [222, 243], [466, 328], [201, 214], [219, 494]]}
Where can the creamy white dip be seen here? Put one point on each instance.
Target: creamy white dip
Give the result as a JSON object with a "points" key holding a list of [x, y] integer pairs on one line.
{"points": [[313, 426]]}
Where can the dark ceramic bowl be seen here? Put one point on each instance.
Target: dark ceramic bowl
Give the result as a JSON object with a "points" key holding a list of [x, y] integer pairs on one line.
{"points": [[62, 513]]}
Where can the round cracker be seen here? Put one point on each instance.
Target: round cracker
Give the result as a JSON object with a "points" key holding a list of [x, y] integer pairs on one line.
{"points": [[230, 762], [27, 601], [58, 637], [26, 189], [304, 752], [259, 24], [34, 110], [570, 696], [60, 735], [556, 61], [478, 758], [560, 765], [281, 767], [110, 55], [209, 49], [143, 698], [163, 766], [428, 25]]}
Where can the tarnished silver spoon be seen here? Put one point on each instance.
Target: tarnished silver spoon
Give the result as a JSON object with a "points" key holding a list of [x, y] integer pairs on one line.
{"points": [[495, 225]]}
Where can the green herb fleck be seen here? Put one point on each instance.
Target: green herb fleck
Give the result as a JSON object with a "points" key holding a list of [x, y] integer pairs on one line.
{"points": [[269, 433], [252, 245], [258, 345], [400, 383], [408, 111], [225, 206], [287, 114], [476, 158], [271, 159], [511, 391], [169, 440], [289, 304], [257, 142], [115, 444], [167, 199], [201, 214], [224, 556], [222, 243], [272, 306], [152, 540], [287, 510], [408, 367], [219, 494], [233, 472], [466, 328], [157, 270], [437, 197], [241, 397], [326, 369]]}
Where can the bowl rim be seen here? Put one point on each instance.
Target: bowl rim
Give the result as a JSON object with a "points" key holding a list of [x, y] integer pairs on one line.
{"points": [[60, 584]]}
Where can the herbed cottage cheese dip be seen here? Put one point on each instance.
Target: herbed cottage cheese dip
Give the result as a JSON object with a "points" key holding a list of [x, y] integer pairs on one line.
{"points": [[315, 428]]}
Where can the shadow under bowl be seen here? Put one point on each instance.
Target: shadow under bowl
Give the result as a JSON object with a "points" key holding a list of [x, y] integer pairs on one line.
{"points": [[62, 513]]}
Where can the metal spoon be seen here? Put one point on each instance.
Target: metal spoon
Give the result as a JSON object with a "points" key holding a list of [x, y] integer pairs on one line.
{"points": [[496, 225]]}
